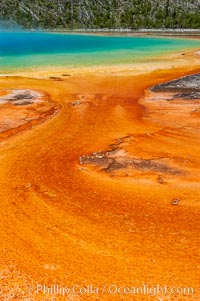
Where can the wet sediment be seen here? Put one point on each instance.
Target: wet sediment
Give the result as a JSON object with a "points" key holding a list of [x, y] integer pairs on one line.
{"points": [[66, 223]]}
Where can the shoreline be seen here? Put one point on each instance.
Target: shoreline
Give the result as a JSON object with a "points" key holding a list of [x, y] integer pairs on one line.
{"points": [[173, 32], [117, 33]]}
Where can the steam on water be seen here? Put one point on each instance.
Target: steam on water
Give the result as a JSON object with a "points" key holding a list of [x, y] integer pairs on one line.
{"points": [[10, 25]]}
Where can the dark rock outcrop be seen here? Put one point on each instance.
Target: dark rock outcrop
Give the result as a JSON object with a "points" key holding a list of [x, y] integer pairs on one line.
{"points": [[112, 160], [187, 84], [186, 88]]}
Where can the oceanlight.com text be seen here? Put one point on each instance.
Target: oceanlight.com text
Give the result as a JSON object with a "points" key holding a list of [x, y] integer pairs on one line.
{"points": [[111, 289]]}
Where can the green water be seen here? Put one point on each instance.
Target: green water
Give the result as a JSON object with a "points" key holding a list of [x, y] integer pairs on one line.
{"points": [[25, 50]]}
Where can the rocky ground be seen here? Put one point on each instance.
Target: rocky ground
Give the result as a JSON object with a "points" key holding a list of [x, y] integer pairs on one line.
{"points": [[21, 109]]}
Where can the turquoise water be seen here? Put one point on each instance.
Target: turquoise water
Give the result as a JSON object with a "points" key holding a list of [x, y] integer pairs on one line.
{"points": [[35, 49]]}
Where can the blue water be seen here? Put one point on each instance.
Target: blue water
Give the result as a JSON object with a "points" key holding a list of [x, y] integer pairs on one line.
{"points": [[33, 49]]}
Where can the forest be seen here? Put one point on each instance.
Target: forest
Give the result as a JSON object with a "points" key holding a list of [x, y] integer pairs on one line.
{"points": [[99, 14]]}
